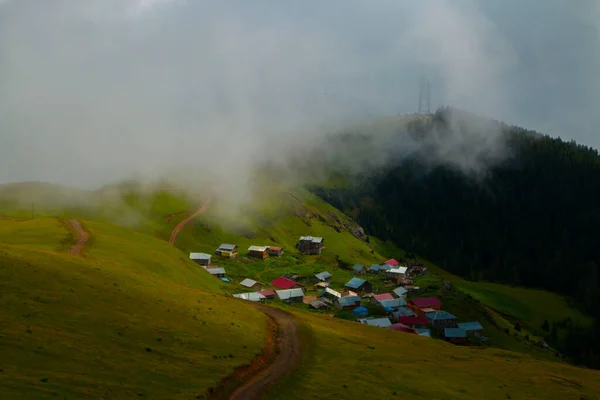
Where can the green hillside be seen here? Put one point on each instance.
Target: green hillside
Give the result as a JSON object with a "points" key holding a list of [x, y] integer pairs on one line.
{"points": [[134, 317]]}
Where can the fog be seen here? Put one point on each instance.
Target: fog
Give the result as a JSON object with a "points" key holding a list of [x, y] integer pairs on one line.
{"points": [[97, 91]]}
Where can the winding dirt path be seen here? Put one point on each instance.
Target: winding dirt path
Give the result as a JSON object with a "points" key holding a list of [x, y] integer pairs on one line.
{"points": [[82, 237], [183, 223], [282, 352]]}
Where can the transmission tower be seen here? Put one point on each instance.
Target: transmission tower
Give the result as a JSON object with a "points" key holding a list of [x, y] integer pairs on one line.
{"points": [[424, 97]]}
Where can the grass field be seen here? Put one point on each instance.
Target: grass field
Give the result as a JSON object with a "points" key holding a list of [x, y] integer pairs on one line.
{"points": [[349, 360], [134, 318]]}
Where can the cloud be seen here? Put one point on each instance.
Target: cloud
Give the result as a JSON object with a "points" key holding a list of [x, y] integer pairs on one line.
{"points": [[102, 90]]}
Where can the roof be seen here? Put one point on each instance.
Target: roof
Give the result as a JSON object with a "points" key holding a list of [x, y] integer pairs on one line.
{"points": [[455, 333], [355, 283], [258, 248], [403, 312], [318, 304], [267, 292], [311, 239], [348, 301], [253, 296], [375, 267], [385, 267], [330, 291], [392, 303], [426, 302], [400, 291], [380, 322], [357, 267], [471, 326], [323, 275], [289, 293], [423, 332], [392, 262], [440, 316], [200, 256], [349, 293], [227, 247], [402, 328], [360, 310], [383, 296], [248, 282], [284, 283], [406, 320], [273, 248], [398, 270], [216, 271]]}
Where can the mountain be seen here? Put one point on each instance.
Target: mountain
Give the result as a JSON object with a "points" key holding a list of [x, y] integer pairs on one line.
{"points": [[517, 208]]}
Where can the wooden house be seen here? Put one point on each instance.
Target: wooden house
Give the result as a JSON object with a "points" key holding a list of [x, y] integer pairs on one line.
{"points": [[201, 258], [310, 245], [227, 250], [291, 295], [347, 303], [268, 293], [260, 252], [329, 294], [472, 328], [396, 273], [400, 292], [275, 251], [441, 319], [358, 269], [322, 277], [251, 284], [319, 305], [216, 272], [422, 306], [456, 336], [359, 285]]}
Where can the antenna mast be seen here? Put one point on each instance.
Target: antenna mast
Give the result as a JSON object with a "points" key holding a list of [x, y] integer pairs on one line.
{"points": [[424, 97]]}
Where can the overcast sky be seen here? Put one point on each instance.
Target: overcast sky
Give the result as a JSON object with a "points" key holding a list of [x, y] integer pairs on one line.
{"points": [[96, 90]]}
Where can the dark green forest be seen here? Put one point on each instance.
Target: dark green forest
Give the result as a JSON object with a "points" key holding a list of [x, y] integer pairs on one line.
{"points": [[522, 209]]}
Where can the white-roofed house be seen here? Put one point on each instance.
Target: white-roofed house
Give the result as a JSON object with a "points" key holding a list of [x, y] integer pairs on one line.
{"points": [[397, 273], [217, 271], [291, 295], [253, 296], [201, 258], [400, 292], [251, 284]]}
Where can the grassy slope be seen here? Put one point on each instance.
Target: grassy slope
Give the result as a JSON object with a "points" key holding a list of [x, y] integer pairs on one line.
{"points": [[350, 360], [133, 318]]}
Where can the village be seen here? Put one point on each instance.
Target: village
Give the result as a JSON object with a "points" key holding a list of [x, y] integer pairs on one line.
{"points": [[400, 308]]}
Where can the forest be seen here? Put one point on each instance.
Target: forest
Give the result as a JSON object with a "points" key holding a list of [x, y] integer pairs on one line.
{"points": [[526, 215]]}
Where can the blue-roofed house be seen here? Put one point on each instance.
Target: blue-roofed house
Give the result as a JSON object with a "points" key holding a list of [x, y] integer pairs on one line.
{"points": [[359, 285], [375, 269], [441, 319], [385, 267], [472, 328], [347, 303], [358, 269], [322, 277], [423, 332], [455, 335], [400, 292], [393, 304]]}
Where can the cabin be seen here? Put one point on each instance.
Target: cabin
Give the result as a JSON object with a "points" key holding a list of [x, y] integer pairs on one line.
{"points": [[260, 252], [347, 303], [456, 336], [359, 285], [378, 297], [375, 269], [329, 294], [322, 277], [414, 322], [319, 305], [392, 262], [201, 258], [217, 272], [285, 283], [268, 293], [472, 328], [291, 295], [402, 328], [380, 322], [358, 269], [385, 268], [253, 296], [227, 250], [275, 251], [251, 284], [392, 304], [396, 274], [400, 292], [422, 306], [441, 319], [311, 245]]}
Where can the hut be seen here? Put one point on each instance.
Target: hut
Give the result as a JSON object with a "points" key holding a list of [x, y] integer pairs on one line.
{"points": [[275, 251], [201, 258], [310, 245], [227, 250], [260, 252]]}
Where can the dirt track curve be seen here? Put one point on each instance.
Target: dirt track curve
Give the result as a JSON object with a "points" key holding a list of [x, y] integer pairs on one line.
{"points": [[82, 237], [186, 221], [282, 352]]}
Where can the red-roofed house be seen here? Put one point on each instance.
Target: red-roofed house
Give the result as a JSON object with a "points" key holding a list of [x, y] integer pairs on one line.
{"points": [[414, 322], [420, 304], [392, 262], [384, 296], [268, 293], [402, 328], [285, 283]]}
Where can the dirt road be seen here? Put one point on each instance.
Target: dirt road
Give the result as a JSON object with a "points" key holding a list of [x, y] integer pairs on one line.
{"points": [[187, 220], [82, 237], [288, 352]]}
